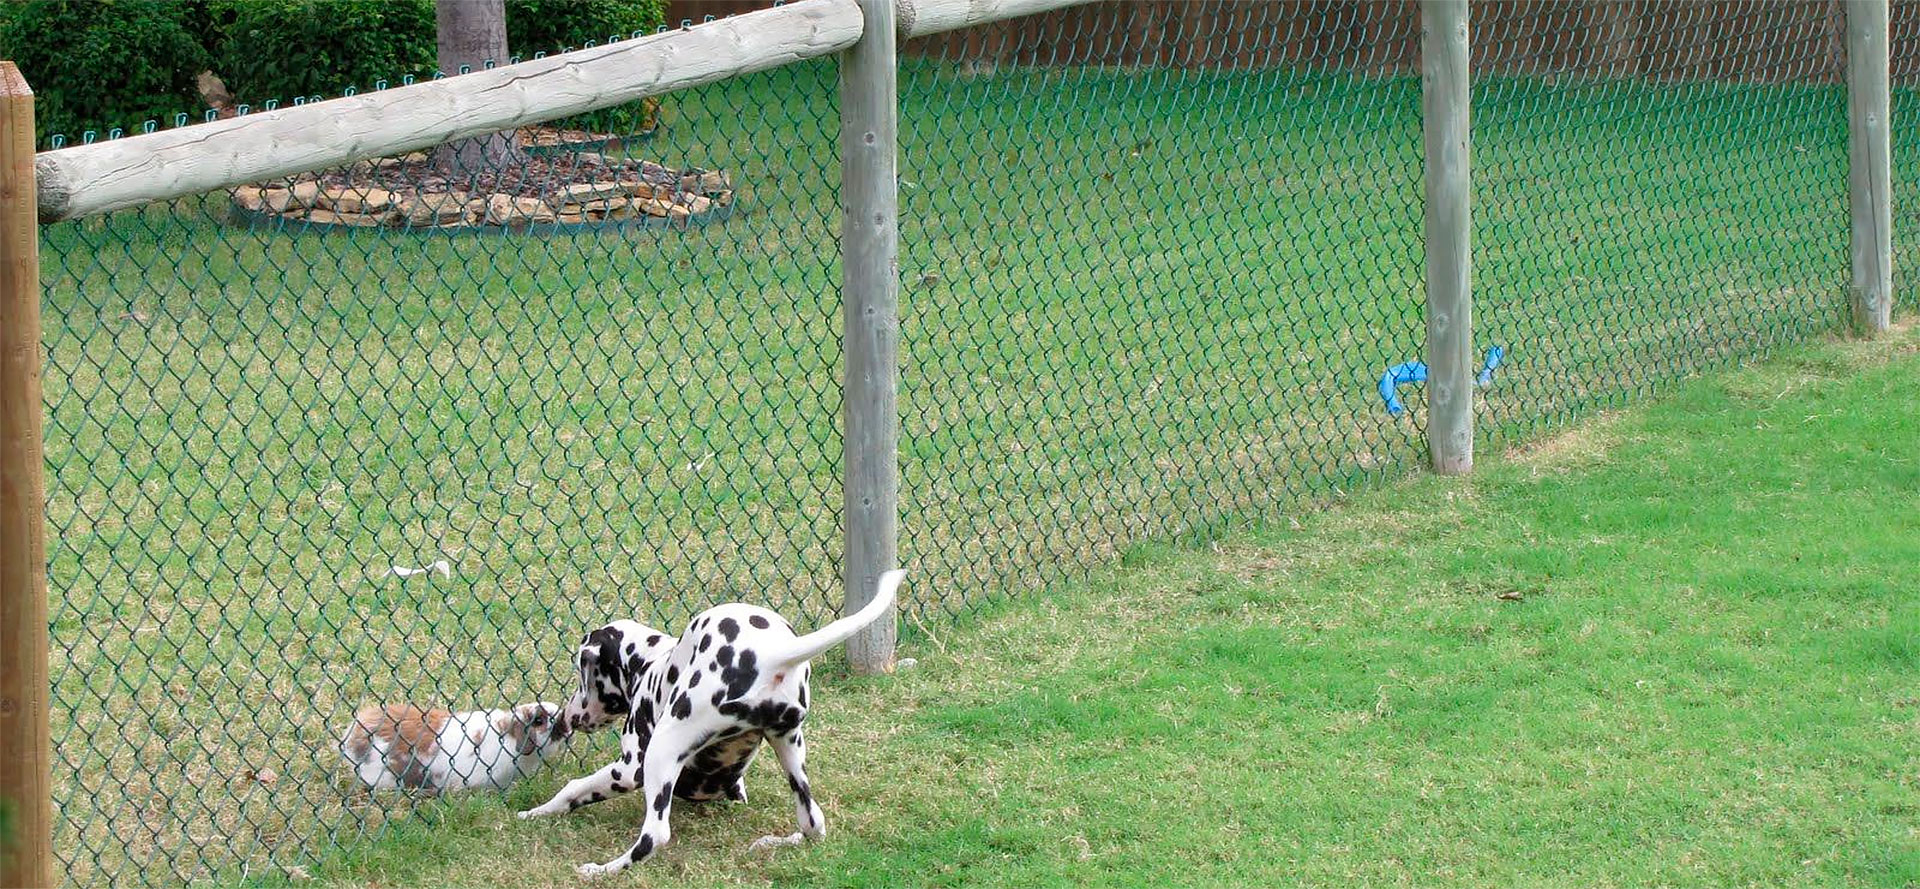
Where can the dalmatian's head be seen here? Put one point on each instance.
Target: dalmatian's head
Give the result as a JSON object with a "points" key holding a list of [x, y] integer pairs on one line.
{"points": [[613, 662]]}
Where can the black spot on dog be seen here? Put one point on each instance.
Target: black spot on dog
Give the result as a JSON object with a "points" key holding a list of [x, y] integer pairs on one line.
{"points": [[803, 696], [759, 623], [719, 696], [662, 800], [724, 656], [673, 674], [653, 640], [616, 775], [694, 680], [682, 707], [642, 849], [772, 717], [696, 746], [704, 642], [740, 676], [729, 628], [627, 757]]}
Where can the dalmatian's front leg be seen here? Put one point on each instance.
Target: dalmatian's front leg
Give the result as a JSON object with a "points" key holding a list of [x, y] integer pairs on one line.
{"points": [[613, 779], [663, 762]]}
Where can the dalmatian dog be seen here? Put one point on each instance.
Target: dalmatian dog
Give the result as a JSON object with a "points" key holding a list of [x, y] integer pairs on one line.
{"points": [[696, 709]]}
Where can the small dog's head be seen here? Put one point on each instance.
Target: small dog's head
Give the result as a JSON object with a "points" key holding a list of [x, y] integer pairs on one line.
{"points": [[612, 661], [535, 729]]}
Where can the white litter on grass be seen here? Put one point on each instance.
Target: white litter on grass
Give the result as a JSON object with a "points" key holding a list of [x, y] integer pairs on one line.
{"points": [[906, 663], [441, 566]]}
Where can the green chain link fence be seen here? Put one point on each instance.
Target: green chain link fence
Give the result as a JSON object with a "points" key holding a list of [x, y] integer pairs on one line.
{"points": [[1654, 197], [1154, 261]]}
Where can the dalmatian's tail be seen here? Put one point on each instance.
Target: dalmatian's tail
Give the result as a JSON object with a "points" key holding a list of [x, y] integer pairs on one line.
{"points": [[808, 647]]}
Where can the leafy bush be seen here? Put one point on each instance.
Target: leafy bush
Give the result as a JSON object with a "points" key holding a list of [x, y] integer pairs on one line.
{"points": [[547, 25], [285, 48], [100, 63], [279, 49]]}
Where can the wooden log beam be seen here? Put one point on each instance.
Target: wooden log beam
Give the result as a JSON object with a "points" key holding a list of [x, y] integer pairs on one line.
{"points": [[914, 18]]}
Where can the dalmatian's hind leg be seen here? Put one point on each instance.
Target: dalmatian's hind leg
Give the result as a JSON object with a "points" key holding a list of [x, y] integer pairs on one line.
{"points": [[792, 751]]}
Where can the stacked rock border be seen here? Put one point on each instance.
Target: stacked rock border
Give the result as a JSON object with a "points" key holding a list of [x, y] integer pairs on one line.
{"points": [[548, 192], [550, 140]]}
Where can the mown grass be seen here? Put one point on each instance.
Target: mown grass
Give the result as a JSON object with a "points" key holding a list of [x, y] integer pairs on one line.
{"points": [[1673, 646], [1135, 305]]}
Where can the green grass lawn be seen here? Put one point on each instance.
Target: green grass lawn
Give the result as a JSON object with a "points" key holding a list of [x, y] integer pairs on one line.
{"points": [[1136, 305], [1673, 646]]}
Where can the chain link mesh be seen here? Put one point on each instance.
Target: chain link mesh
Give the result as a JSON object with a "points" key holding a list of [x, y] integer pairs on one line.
{"points": [[1658, 189], [1152, 257], [250, 427], [1155, 260]]}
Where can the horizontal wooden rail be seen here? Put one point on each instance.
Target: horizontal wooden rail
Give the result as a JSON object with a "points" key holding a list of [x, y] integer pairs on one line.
{"points": [[915, 18], [87, 179]]}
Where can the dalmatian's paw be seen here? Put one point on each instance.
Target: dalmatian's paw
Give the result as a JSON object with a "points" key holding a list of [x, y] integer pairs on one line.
{"points": [[770, 841]]}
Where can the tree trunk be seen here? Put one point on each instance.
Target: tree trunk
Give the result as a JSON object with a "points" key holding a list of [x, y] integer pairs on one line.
{"points": [[473, 33]]}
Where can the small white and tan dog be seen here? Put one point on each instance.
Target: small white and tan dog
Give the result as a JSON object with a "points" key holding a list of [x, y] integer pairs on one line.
{"points": [[399, 745]]}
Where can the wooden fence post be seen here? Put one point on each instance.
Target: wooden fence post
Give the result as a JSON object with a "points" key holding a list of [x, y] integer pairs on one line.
{"points": [[26, 798], [870, 293], [1869, 177], [1444, 102]]}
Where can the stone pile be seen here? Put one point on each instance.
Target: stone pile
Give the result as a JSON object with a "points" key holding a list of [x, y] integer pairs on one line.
{"points": [[569, 190]]}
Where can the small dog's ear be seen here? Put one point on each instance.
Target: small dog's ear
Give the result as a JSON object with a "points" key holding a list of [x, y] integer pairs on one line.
{"points": [[514, 728], [528, 726]]}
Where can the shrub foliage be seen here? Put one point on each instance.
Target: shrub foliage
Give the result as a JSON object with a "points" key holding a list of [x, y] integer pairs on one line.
{"points": [[100, 63]]}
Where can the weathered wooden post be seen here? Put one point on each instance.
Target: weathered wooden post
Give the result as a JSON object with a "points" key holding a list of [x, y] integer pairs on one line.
{"points": [[870, 293], [1444, 103], [1870, 171], [26, 797]]}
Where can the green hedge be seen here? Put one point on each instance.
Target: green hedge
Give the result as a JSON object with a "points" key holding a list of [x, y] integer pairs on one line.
{"points": [[100, 63], [279, 49]]}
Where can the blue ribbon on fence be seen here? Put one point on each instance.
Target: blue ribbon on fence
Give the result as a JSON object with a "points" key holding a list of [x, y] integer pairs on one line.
{"points": [[1416, 372]]}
